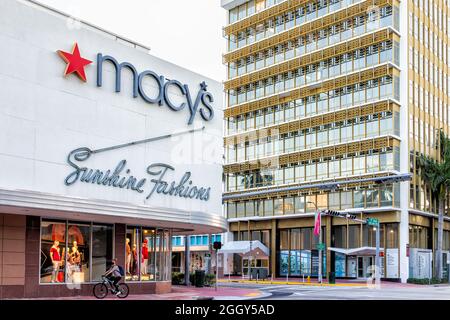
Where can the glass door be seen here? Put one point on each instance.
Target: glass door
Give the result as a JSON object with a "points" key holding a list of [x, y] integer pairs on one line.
{"points": [[368, 263], [360, 267]]}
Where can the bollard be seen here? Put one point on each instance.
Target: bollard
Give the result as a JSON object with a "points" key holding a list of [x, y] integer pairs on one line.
{"points": [[303, 277], [271, 279], [308, 279]]}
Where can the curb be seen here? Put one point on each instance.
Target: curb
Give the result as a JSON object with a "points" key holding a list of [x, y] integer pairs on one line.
{"points": [[295, 283]]}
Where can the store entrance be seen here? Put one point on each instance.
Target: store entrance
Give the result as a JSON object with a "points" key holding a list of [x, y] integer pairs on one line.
{"points": [[364, 263]]}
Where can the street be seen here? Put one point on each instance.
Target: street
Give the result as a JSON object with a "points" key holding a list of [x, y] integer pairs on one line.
{"points": [[387, 292]]}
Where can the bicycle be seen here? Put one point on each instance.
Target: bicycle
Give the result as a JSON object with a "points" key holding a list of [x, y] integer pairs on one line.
{"points": [[101, 289]]}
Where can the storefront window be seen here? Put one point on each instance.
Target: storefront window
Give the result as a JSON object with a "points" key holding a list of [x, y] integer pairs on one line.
{"points": [[77, 269], [147, 253], [418, 237], [392, 235], [339, 236], [132, 254], [53, 251], [369, 236], [306, 238], [74, 252], [102, 250], [353, 236]]}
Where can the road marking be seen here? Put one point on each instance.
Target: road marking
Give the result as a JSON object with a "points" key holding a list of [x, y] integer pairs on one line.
{"points": [[252, 294]]}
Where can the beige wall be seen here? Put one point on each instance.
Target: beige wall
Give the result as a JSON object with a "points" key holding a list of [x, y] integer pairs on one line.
{"points": [[12, 249]]}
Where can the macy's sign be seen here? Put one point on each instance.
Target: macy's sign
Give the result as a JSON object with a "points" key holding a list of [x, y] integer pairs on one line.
{"points": [[201, 103]]}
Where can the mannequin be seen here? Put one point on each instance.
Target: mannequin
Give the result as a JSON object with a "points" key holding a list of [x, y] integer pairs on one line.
{"points": [[75, 254], [128, 256], [56, 260], [144, 257], [134, 267], [74, 260]]}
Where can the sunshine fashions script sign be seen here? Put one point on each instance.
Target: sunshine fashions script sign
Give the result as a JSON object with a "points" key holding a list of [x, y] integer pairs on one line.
{"points": [[121, 177]]}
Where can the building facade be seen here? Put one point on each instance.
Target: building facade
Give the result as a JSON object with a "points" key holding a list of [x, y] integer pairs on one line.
{"points": [[202, 253], [328, 104], [105, 152]]}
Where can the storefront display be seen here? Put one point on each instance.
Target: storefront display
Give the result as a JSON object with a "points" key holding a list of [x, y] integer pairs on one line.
{"points": [[66, 251], [339, 265]]}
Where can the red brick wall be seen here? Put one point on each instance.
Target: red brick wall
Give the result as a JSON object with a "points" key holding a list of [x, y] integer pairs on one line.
{"points": [[12, 255]]}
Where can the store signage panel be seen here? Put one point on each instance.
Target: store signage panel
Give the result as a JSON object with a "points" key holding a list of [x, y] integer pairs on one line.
{"points": [[392, 263], [199, 103], [121, 177]]}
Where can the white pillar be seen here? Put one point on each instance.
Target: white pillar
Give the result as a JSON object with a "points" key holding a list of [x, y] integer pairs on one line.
{"points": [[404, 146]]}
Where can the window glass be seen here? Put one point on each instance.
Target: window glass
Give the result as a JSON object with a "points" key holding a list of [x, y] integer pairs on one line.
{"points": [[148, 254], [68, 254], [278, 206], [53, 251], [299, 204], [132, 249], [102, 250], [353, 236], [306, 238], [391, 235], [339, 236], [289, 205], [77, 269]]}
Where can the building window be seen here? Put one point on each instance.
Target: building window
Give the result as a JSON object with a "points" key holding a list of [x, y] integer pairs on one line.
{"points": [[74, 252], [354, 236], [339, 236], [391, 235], [102, 249]]}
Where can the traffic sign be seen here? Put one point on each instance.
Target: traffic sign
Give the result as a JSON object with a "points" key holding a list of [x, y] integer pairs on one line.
{"points": [[372, 222], [345, 215], [320, 246]]}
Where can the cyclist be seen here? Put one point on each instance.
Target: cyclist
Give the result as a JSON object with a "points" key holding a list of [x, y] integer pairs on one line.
{"points": [[114, 274]]}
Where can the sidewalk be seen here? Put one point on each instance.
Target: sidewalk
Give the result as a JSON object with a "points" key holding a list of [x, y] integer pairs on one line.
{"points": [[183, 293], [313, 282]]}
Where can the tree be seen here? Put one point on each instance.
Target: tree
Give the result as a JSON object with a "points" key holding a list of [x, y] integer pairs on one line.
{"points": [[436, 173]]}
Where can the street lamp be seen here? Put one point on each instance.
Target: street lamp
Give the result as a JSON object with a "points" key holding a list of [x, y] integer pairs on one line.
{"points": [[319, 279]]}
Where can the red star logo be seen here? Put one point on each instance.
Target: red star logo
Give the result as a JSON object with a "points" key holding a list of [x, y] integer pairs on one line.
{"points": [[75, 63]]}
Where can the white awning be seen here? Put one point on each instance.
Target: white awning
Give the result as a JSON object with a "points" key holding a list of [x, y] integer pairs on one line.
{"points": [[243, 247], [361, 251]]}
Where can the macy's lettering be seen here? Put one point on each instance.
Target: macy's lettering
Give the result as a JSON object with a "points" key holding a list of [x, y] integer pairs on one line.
{"points": [[203, 96]]}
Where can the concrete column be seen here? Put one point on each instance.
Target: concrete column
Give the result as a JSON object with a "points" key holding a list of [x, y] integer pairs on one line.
{"points": [[404, 144], [187, 260], [273, 248]]}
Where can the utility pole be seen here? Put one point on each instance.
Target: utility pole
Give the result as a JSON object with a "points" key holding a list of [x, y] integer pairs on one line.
{"points": [[187, 259], [319, 277], [377, 252], [217, 268]]}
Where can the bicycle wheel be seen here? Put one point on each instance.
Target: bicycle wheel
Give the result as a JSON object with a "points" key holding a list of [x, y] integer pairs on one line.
{"points": [[124, 290], [100, 290]]}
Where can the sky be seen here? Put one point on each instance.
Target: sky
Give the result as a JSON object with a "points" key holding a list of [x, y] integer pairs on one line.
{"points": [[185, 32]]}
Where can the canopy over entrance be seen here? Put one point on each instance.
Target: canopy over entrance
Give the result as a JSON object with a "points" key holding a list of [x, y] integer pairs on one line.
{"points": [[243, 248], [361, 251]]}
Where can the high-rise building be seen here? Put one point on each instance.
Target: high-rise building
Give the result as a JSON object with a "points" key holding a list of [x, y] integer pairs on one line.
{"points": [[328, 105]]}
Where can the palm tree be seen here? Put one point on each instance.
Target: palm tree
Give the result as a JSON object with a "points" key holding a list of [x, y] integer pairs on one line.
{"points": [[436, 173]]}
